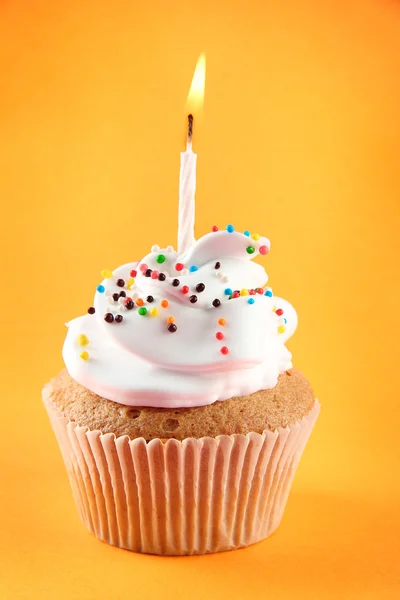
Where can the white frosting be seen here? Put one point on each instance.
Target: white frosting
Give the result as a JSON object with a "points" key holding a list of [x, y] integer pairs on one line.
{"points": [[140, 362]]}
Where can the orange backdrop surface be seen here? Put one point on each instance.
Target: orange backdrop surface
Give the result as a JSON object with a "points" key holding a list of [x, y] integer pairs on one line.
{"points": [[299, 141]]}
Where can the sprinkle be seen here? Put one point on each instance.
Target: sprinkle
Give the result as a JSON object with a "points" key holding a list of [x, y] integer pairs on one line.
{"points": [[171, 320], [101, 289], [172, 327], [281, 329], [268, 292], [184, 272], [91, 310], [142, 311], [179, 266], [164, 303], [135, 296], [230, 228], [109, 317], [133, 273], [150, 299], [122, 307], [250, 249], [155, 248], [153, 312], [251, 301], [83, 339], [285, 320], [130, 282], [274, 309], [106, 274], [175, 282], [220, 274], [120, 282], [216, 302], [263, 250], [129, 304], [235, 294], [279, 312], [214, 228], [221, 322], [252, 292], [170, 248], [200, 287], [244, 292], [255, 237], [247, 233], [217, 265], [115, 297], [225, 278], [139, 302], [228, 292], [119, 319], [154, 275], [193, 268], [193, 299], [224, 350], [219, 335], [259, 290], [161, 259], [162, 277], [184, 289], [143, 267], [148, 272], [84, 355]]}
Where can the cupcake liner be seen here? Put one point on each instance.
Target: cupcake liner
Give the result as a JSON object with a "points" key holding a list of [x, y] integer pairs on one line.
{"points": [[177, 498]]}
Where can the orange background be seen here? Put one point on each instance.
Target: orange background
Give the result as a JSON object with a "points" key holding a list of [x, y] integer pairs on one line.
{"points": [[300, 141]]}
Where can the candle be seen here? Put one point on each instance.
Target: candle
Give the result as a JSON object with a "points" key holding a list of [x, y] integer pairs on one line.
{"points": [[187, 179]]}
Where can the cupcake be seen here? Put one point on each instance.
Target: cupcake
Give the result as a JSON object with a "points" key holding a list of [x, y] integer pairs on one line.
{"points": [[179, 416]]}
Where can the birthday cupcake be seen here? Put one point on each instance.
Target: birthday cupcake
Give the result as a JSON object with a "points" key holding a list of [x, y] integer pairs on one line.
{"points": [[179, 416]]}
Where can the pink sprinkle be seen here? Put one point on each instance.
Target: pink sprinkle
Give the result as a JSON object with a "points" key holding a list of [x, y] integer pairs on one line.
{"points": [[214, 228], [279, 312], [219, 335], [263, 249], [224, 350], [143, 267], [154, 275]]}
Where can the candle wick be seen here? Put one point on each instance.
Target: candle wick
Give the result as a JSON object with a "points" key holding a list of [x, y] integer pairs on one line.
{"points": [[190, 130]]}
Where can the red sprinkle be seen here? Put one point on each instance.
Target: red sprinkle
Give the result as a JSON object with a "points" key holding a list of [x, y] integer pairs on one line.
{"points": [[259, 290], [224, 350], [214, 228], [179, 266], [184, 289], [263, 249], [219, 335], [252, 292], [133, 273], [143, 267], [279, 312], [235, 295], [154, 275]]}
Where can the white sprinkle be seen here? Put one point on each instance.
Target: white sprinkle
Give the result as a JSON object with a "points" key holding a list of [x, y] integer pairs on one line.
{"points": [[155, 248], [170, 248], [184, 272], [122, 308], [219, 275], [135, 295], [121, 300], [225, 278]]}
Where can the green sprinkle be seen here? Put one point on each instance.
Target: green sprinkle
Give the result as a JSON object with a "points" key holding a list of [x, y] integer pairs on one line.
{"points": [[142, 311], [160, 259], [250, 249]]}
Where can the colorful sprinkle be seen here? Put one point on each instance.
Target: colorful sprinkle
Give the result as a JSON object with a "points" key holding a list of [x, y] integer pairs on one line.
{"points": [[222, 322], [143, 267], [217, 265], [244, 292], [119, 319], [224, 350], [162, 277], [230, 228], [153, 312], [184, 289], [281, 329], [106, 273], [279, 312], [133, 273], [200, 287], [83, 339], [219, 335], [252, 292], [255, 237], [115, 297], [214, 228], [193, 268], [175, 282], [129, 304], [84, 355], [179, 266], [247, 233], [193, 299], [268, 292], [109, 318], [263, 250], [259, 290], [150, 299], [251, 301], [122, 294], [236, 294], [172, 327], [142, 311], [216, 302], [91, 310], [161, 259], [154, 275], [130, 282], [139, 302], [120, 282], [285, 320], [164, 303], [101, 289], [250, 249], [148, 272], [171, 320], [274, 309]]}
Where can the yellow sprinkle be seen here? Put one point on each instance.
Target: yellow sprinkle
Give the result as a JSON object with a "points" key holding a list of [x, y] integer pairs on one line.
{"points": [[83, 340], [153, 311], [106, 273], [255, 236], [130, 283], [84, 355], [281, 329], [274, 309], [244, 292]]}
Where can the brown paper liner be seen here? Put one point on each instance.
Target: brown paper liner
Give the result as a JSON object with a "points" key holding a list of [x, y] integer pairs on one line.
{"points": [[174, 498]]}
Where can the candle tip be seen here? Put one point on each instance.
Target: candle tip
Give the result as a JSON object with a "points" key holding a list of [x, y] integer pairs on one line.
{"points": [[190, 129]]}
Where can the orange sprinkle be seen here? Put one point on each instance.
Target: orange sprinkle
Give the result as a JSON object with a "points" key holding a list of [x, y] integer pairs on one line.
{"points": [[221, 322], [171, 320], [139, 302], [164, 303]]}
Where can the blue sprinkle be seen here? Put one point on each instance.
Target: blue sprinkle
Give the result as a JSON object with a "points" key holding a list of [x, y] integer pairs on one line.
{"points": [[230, 228], [247, 233], [193, 268], [101, 289], [269, 292], [250, 300], [284, 318], [228, 292]]}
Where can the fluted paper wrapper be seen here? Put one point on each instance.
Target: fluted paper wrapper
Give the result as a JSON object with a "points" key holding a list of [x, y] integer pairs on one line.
{"points": [[174, 498]]}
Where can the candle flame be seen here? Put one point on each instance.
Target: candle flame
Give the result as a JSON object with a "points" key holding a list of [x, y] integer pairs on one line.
{"points": [[195, 99]]}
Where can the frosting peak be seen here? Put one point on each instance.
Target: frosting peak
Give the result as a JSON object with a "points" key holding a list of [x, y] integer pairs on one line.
{"points": [[184, 330]]}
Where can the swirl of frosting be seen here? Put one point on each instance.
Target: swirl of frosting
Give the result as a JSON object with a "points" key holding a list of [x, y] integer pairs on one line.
{"points": [[184, 330]]}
